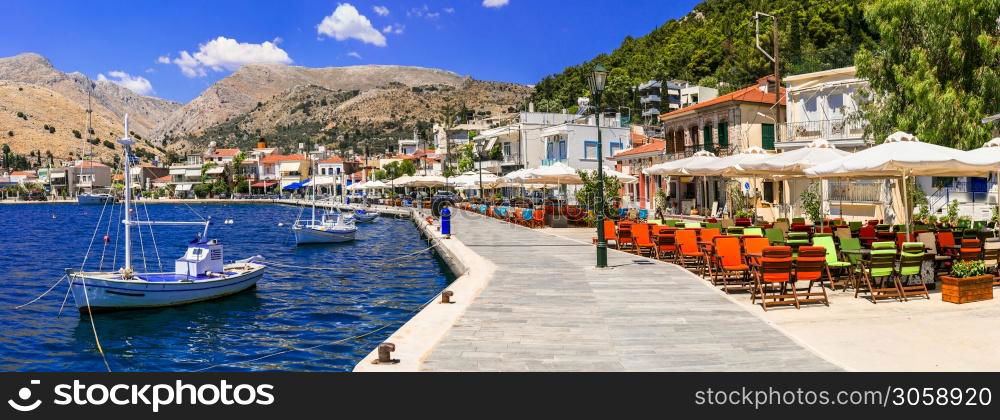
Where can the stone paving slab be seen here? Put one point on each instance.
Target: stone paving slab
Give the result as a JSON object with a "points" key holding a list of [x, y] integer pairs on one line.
{"points": [[548, 309]]}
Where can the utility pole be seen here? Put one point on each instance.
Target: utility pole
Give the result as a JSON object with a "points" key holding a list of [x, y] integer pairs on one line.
{"points": [[776, 60]]}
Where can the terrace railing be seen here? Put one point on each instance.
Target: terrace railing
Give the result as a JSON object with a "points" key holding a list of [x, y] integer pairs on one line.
{"points": [[834, 129], [855, 191]]}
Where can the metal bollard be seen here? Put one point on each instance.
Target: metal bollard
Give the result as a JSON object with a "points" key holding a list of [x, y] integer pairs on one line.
{"points": [[446, 296], [446, 221], [383, 354]]}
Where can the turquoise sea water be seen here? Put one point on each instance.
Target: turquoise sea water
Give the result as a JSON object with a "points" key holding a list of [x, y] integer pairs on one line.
{"points": [[291, 308]]}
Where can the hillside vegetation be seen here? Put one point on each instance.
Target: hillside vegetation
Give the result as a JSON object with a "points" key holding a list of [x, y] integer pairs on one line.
{"points": [[714, 46]]}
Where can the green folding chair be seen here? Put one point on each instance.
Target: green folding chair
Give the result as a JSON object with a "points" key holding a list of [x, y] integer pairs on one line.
{"points": [[797, 239], [753, 231], [832, 259], [671, 223], [855, 227], [910, 262], [713, 225], [775, 236], [879, 270], [692, 225]]}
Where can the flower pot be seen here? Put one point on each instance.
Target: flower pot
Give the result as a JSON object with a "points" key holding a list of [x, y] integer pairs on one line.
{"points": [[967, 289]]}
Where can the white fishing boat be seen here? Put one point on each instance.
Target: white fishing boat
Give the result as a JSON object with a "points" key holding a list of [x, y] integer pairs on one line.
{"points": [[331, 227], [95, 198], [365, 216], [199, 275]]}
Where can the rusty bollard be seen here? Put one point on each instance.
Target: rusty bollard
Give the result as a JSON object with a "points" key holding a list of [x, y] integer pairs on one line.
{"points": [[446, 296], [383, 354]]}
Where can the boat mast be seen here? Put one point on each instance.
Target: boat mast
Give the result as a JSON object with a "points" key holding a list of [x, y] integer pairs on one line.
{"points": [[312, 170], [126, 143]]}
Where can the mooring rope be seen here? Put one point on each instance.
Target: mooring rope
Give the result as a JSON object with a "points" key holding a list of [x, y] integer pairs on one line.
{"points": [[65, 297], [92, 325], [289, 350], [43, 294], [107, 234]]}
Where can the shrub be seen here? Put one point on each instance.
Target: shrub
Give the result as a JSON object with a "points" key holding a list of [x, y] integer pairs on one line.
{"points": [[22, 116], [52, 130], [109, 144], [10, 133], [966, 269], [76, 133]]}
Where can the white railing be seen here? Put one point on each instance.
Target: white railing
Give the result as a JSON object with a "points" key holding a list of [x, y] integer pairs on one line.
{"points": [[835, 129]]}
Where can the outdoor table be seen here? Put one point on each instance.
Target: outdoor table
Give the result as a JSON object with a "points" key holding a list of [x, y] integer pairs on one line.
{"points": [[926, 267]]}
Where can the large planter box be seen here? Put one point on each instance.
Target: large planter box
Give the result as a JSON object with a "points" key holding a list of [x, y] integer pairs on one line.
{"points": [[965, 290]]}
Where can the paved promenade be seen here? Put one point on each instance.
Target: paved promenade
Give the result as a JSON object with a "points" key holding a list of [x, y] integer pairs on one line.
{"points": [[547, 309]]}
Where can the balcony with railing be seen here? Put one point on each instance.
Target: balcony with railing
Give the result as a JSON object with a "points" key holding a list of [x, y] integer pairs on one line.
{"points": [[511, 159], [830, 130], [650, 98], [651, 111], [856, 191]]}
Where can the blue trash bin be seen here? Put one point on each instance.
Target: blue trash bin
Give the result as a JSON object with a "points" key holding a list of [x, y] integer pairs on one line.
{"points": [[446, 222]]}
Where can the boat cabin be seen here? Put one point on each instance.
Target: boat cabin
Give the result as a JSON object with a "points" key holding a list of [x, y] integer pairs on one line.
{"points": [[201, 258]]}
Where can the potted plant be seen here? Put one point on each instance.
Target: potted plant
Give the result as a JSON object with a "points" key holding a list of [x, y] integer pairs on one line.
{"points": [[967, 282]]}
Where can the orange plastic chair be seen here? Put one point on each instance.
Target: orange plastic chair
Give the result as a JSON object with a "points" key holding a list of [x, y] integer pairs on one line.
{"points": [[625, 235], [971, 250], [688, 254], [810, 266], [609, 233], [730, 266], [774, 275], [946, 243]]}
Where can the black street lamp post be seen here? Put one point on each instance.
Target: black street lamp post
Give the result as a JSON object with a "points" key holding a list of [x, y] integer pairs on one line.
{"points": [[479, 156], [597, 79]]}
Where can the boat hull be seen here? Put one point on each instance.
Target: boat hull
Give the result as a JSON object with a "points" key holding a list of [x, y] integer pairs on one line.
{"points": [[366, 217], [307, 235], [87, 199], [105, 295]]}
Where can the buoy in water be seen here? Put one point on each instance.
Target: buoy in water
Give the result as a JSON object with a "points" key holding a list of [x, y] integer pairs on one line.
{"points": [[280, 224], [107, 239], [228, 221]]}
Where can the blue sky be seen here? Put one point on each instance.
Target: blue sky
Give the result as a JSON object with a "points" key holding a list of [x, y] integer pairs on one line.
{"points": [[175, 49]]}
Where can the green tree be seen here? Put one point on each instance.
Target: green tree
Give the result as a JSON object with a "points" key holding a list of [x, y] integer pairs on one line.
{"points": [[587, 193], [407, 167], [467, 158], [935, 73]]}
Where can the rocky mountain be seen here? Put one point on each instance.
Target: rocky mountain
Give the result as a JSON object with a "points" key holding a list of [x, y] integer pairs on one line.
{"points": [[378, 115], [109, 99], [252, 84], [37, 119]]}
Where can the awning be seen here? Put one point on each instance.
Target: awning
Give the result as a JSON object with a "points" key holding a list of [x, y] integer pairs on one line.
{"points": [[295, 185], [183, 187], [58, 175], [218, 170], [263, 184], [192, 173], [289, 166], [180, 171]]}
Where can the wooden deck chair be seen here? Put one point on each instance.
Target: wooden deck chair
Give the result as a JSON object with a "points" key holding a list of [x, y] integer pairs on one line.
{"points": [[971, 250], [609, 233], [753, 231], [941, 261], [843, 233], [911, 260], [880, 269], [991, 259], [730, 265], [851, 248], [666, 245], [833, 262], [946, 244], [774, 277], [625, 241], [537, 219], [643, 242], [775, 235], [811, 266], [689, 255]]}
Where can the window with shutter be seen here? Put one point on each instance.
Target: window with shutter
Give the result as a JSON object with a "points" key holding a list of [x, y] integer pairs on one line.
{"points": [[767, 136]]}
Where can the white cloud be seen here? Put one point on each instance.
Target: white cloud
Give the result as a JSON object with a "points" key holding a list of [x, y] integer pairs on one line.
{"points": [[137, 84], [495, 3], [449, 10], [381, 10], [423, 12], [227, 54], [347, 23], [163, 59], [354, 54], [396, 29]]}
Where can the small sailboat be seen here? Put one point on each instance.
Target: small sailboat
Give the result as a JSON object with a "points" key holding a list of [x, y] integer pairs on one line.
{"points": [[199, 275], [365, 216], [331, 227]]}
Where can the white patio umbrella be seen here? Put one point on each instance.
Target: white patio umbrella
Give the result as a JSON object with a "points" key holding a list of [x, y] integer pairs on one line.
{"points": [[989, 154], [557, 173], [902, 155], [427, 181], [795, 162], [356, 186], [730, 166], [676, 168], [622, 177], [374, 185]]}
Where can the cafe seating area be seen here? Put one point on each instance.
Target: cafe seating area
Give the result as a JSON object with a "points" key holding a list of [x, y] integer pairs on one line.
{"points": [[795, 264]]}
